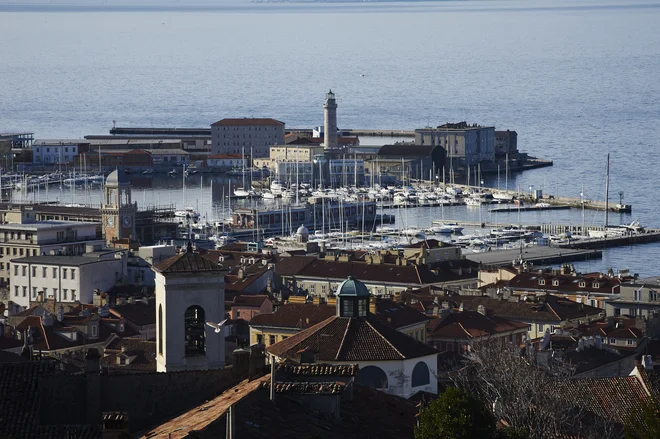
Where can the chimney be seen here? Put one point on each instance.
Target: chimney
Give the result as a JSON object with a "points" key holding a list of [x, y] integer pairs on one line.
{"points": [[460, 307], [481, 310], [115, 425], [647, 361], [60, 314], [40, 297], [372, 305]]}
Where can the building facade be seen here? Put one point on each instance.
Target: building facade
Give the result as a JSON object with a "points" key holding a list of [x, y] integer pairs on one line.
{"points": [[39, 238], [54, 151], [640, 297], [466, 145], [190, 291], [66, 279], [246, 136]]}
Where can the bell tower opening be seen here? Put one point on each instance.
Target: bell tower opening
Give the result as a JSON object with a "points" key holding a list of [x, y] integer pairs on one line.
{"points": [[194, 332]]}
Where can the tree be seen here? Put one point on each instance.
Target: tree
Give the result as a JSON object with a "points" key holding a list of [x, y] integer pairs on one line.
{"points": [[456, 415], [649, 427]]}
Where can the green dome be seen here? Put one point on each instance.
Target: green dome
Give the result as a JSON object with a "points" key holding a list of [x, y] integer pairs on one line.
{"points": [[352, 287]]}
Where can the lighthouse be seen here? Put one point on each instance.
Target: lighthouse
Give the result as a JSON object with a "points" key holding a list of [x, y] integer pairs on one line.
{"points": [[330, 121]]}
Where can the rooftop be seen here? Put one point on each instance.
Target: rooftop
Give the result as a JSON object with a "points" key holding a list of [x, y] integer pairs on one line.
{"points": [[187, 262], [45, 225], [75, 261], [248, 122], [295, 316], [352, 339]]}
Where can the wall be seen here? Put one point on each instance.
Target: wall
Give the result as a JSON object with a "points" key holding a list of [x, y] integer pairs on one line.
{"points": [[147, 398]]}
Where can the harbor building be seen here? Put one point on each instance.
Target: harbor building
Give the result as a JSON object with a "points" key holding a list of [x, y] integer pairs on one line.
{"points": [[466, 145], [637, 298], [55, 151], [246, 136], [330, 121], [346, 172], [506, 142], [18, 139]]}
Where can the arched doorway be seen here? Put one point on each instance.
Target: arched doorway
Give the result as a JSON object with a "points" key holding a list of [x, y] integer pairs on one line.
{"points": [[420, 375], [372, 376], [195, 333]]}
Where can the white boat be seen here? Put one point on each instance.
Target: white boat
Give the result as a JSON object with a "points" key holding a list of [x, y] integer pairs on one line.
{"points": [[276, 187], [455, 228], [267, 195], [502, 196], [413, 232], [507, 231], [443, 230], [241, 193], [472, 201], [188, 213], [148, 171]]}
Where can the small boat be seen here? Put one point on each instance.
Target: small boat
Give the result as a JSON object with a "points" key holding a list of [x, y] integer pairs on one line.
{"points": [[148, 172], [241, 193], [472, 201], [188, 213], [442, 230], [172, 172]]}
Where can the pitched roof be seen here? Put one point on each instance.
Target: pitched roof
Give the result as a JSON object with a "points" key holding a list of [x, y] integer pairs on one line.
{"points": [[248, 122], [472, 324], [139, 313], [352, 339], [316, 370], [294, 316], [141, 353], [19, 405], [187, 262], [254, 301], [397, 315], [592, 283], [547, 308]]}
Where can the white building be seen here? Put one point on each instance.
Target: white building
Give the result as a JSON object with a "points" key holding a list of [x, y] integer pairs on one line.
{"points": [[67, 279], [54, 151], [345, 172], [225, 162], [190, 291], [246, 136], [389, 360], [30, 238]]}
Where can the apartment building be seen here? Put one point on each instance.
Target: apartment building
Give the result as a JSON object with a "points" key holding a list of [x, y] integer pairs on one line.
{"points": [[23, 239]]}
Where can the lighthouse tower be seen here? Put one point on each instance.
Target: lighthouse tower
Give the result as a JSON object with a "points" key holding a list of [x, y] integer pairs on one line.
{"points": [[330, 121]]}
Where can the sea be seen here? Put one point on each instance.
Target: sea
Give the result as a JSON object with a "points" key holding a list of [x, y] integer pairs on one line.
{"points": [[577, 80]]}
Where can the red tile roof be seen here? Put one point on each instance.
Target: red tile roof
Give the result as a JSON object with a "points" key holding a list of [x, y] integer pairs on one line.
{"points": [[304, 387], [294, 316], [254, 301], [316, 370], [397, 315], [248, 122], [471, 324], [351, 339], [187, 262]]}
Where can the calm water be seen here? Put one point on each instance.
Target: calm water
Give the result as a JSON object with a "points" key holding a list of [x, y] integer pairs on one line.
{"points": [[577, 80]]}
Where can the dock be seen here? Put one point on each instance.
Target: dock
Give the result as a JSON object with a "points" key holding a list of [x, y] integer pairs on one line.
{"points": [[513, 209], [535, 255], [651, 235]]}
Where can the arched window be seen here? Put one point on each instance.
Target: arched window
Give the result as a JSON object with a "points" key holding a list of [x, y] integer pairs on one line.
{"points": [[372, 376], [195, 333], [420, 375], [160, 329]]}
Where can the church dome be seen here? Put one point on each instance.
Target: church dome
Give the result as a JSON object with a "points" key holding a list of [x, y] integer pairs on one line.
{"points": [[302, 230], [352, 287], [117, 178]]}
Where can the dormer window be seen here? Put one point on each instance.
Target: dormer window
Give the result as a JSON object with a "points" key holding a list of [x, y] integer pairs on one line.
{"points": [[582, 284], [541, 281], [596, 285], [555, 283]]}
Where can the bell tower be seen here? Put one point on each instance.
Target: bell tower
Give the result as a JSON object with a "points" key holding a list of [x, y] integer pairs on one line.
{"points": [[118, 210]]}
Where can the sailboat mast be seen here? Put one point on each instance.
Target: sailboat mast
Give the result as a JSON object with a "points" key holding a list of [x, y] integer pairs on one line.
{"points": [[607, 190]]}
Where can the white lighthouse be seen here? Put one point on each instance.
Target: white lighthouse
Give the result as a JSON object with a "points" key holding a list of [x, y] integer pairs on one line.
{"points": [[330, 121]]}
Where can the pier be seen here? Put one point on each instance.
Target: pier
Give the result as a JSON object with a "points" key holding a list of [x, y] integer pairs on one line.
{"points": [[535, 255], [528, 208]]}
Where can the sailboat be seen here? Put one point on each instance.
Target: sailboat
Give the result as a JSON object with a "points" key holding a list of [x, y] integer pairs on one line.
{"points": [[242, 192]]}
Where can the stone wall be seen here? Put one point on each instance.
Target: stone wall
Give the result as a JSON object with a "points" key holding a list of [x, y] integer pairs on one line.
{"points": [[147, 398]]}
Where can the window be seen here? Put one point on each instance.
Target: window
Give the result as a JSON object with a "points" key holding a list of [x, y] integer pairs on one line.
{"points": [[347, 306], [612, 340], [160, 329], [653, 295], [195, 334], [637, 294], [539, 328], [73, 295], [21, 251], [34, 292], [582, 284], [24, 270], [555, 283], [617, 311], [54, 273], [44, 272], [15, 270], [13, 251], [15, 291], [55, 293], [271, 339], [65, 293], [596, 285], [24, 291], [260, 339], [73, 273], [34, 271], [630, 342], [64, 270]]}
